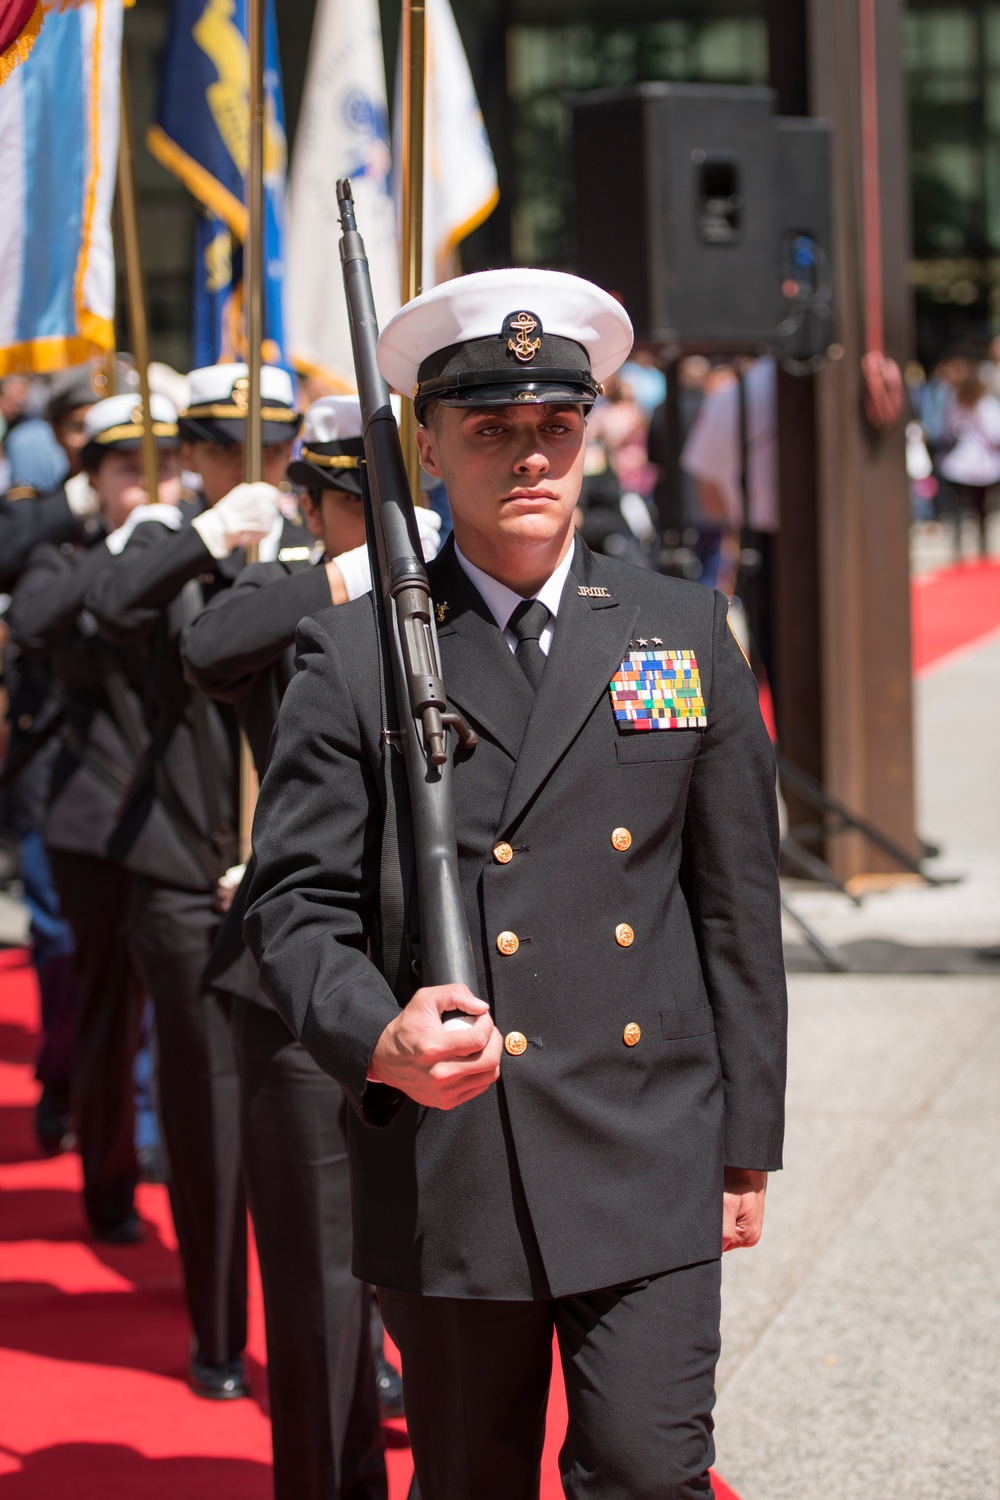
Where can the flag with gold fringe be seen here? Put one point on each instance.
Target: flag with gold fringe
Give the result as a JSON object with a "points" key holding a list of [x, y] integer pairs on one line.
{"points": [[202, 136], [58, 162]]}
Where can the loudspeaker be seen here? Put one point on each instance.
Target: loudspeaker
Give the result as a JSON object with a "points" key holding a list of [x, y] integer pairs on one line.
{"points": [[708, 216], [675, 210], [802, 188]]}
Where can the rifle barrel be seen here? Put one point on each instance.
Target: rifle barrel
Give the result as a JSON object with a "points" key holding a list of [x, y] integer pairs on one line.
{"points": [[403, 599]]}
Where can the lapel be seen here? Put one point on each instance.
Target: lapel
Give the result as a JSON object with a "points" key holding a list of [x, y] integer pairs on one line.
{"points": [[589, 642], [480, 674]]}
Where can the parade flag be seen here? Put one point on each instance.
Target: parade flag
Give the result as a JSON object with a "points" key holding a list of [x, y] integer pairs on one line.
{"points": [[202, 136], [20, 23], [460, 178], [343, 131], [58, 161]]}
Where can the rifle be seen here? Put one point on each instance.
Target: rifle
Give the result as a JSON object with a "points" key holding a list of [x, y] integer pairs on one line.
{"points": [[402, 596]]}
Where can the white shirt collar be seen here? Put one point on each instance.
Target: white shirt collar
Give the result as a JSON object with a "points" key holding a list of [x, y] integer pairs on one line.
{"points": [[502, 601]]}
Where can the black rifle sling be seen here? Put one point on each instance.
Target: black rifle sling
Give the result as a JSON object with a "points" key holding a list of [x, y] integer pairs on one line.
{"points": [[396, 875]]}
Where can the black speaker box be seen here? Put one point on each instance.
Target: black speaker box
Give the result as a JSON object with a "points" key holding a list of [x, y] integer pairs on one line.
{"points": [[675, 210], [802, 190]]}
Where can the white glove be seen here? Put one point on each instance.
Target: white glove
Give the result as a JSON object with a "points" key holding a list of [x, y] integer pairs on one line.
{"points": [[167, 515], [81, 498], [244, 515], [354, 567], [227, 886]]}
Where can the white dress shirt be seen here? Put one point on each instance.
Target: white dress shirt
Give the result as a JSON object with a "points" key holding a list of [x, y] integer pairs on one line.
{"points": [[502, 601]]}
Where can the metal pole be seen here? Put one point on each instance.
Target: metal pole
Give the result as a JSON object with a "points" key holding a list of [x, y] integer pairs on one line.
{"points": [[253, 245], [414, 66], [134, 283], [253, 303]]}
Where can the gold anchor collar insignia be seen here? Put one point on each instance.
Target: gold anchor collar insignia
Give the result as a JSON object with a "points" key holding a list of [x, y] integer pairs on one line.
{"points": [[441, 611], [520, 326]]}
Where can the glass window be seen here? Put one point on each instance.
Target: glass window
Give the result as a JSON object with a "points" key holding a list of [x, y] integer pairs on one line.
{"points": [[548, 63]]}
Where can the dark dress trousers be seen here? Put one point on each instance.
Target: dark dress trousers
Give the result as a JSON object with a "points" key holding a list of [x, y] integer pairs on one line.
{"points": [[639, 879], [94, 766], [325, 1422], [176, 837]]}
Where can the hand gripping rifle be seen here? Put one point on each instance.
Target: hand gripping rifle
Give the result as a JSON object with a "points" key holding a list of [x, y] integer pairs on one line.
{"points": [[403, 606]]}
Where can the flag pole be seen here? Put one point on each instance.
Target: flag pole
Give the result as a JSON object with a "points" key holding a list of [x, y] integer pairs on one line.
{"points": [[412, 104], [253, 302], [128, 208]]}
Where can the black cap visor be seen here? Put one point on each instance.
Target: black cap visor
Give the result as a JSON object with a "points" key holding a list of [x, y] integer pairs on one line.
{"points": [[93, 452], [311, 477], [525, 392], [232, 431]]}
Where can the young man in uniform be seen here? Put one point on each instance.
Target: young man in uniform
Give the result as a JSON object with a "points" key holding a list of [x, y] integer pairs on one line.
{"points": [[579, 1156], [239, 650], [100, 688], [176, 834]]}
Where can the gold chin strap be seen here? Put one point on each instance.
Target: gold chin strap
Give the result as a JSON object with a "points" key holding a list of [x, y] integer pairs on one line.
{"points": [[331, 460], [133, 430], [221, 409]]}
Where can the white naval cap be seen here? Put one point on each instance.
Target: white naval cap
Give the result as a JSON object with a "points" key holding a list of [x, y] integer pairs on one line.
{"points": [[218, 385], [332, 447], [220, 401], [331, 419], [117, 421], [497, 337]]}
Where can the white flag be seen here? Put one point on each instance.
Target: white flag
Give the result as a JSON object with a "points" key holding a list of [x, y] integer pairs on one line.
{"points": [[460, 178], [343, 131]]}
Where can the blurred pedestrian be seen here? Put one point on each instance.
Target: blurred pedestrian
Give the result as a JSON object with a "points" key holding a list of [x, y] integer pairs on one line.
{"points": [[971, 447]]}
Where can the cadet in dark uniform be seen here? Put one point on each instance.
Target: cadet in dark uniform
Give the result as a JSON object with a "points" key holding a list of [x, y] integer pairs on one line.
{"points": [[158, 583], [29, 516], [101, 741], [577, 1158], [324, 1412]]}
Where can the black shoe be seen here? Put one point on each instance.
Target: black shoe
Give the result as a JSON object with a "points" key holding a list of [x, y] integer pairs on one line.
{"points": [[127, 1231], [53, 1125], [150, 1164], [226, 1382], [389, 1384]]}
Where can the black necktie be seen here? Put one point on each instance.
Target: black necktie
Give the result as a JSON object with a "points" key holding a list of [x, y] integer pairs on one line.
{"points": [[526, 624]]}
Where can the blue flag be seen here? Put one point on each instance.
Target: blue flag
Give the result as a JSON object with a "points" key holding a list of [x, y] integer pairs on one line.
{"points": [[202, 136]]}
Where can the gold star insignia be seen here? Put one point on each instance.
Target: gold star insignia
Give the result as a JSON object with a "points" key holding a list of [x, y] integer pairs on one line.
{"points": [[441, 611]]}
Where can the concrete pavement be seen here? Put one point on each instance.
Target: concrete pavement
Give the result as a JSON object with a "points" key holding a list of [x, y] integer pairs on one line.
{"points": [[862, 1337]]}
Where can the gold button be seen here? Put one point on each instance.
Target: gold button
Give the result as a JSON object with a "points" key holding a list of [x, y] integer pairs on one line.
{"points": [[631, 1034], [622, 839], [516, 1043], [507, 943], [502, 853], [25, 721], [624, 936]]}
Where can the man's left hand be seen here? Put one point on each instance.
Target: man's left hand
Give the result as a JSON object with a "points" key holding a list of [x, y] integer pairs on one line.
{"points": [[742, 1207]]}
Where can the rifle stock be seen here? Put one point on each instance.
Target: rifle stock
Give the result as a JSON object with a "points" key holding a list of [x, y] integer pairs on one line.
{"points": [[403, 602]]}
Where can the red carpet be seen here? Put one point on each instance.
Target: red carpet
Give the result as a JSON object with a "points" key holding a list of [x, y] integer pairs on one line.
{"points": [[93, 1339], [952, 610]]}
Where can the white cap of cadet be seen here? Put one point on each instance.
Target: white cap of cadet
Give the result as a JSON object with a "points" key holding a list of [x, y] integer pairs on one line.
{"points": [[117, 421], [495, 338], [220, 401], [332, 419]]}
